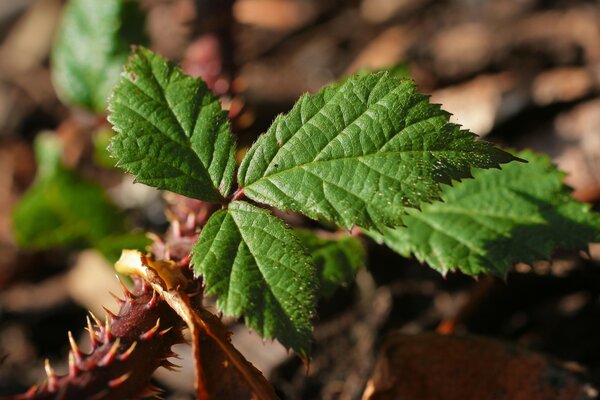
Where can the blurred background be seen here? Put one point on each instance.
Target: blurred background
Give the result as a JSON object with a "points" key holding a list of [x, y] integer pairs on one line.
{"points": [[521, 73]]}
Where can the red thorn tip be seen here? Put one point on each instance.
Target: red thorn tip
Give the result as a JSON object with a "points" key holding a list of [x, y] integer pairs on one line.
{"points": [[153, 301], [161, 333], [110, 314], [150, 332], [124, 356], [145, 285], [90, 328], [169, 365], [124, 288], [107, 331], [111, 354], [119, 300], [52, 382], [32, 391], [118, 381]]}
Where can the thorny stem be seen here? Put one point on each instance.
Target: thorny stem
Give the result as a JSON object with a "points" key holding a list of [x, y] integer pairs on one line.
{"points": [[125, 352]]}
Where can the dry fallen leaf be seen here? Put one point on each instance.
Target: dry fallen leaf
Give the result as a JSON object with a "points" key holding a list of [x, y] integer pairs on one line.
{"points": [[433, 367], [222, 373]]}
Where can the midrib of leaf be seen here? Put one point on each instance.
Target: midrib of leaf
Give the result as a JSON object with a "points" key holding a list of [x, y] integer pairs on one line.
{"points": [[348, 125], [360, 158]]}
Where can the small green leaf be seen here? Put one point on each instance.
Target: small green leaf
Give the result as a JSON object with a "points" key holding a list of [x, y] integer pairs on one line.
{"points": [[337, 259], [61, 209], [519, 214], [360, 153], [64, 210], [112, 246], [171, 130], [91, 47], [258, 269]]}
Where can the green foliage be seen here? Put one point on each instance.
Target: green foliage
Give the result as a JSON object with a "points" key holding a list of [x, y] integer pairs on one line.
{"points": [[62, 209], [521, 213], [337, 259], [171, 130], [361, 153], [92, 45], [256, 265]]}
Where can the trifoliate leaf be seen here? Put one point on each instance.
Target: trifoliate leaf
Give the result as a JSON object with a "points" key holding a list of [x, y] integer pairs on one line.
{"points": [[171, 130], [521, 213], [337, 259], [91, 47], [256, 266], [361, 152]]}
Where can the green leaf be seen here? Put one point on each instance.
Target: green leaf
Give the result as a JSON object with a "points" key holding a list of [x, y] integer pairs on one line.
{"points": [[61, 209], [519, 214], [112, 246], [337, 258], [258, 269], [171, 130], [64, 210], [360, 153], [91, 47]]}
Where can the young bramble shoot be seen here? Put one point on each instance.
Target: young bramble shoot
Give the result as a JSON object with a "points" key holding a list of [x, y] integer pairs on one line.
{"points": [[369, 152]]}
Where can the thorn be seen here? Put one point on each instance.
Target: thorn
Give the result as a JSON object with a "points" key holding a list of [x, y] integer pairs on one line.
{"points": [[107, 331], [92, 333], [118, 381], [176, 228], [124, 288], [110, 314], [145, 285], [172, 354], [96, 320], [51, 376], [153, 301], [185, 260], [119, 300], [190, 221], [74, 348], [152, 391], [31, 391], [161, 333], [73, 368], [150, 332], [169, 365], [125, 355], [111, 354], [100, 395]]}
